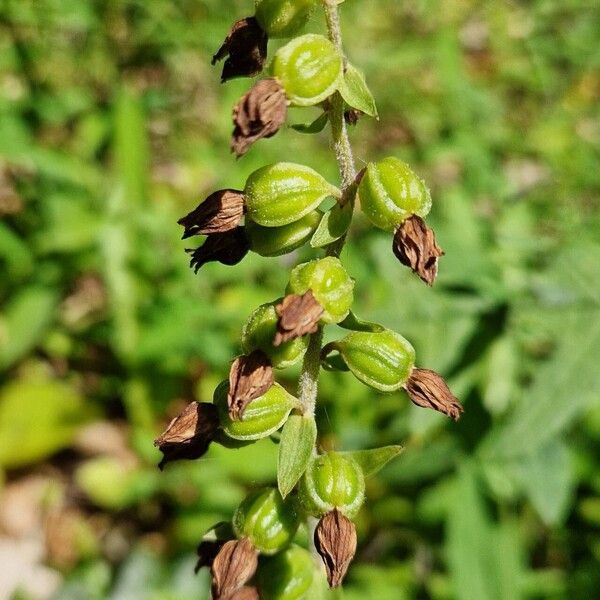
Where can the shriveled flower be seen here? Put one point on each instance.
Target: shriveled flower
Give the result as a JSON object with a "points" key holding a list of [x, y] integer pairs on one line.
{"points": [[228, 248], [352, 116], [415, 247], [259, 114], [335, 541], [299, 315], [429, 390], [245, 593], [222, 211], [250, 376], [246, 49], [189, 434], [234, 565]]}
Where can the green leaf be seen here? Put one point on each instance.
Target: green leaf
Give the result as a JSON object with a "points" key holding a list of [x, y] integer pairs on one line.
{"points": [[315, 126], [356, 93], [298, 439], [353, 323], [372, 461], [333, 225]]}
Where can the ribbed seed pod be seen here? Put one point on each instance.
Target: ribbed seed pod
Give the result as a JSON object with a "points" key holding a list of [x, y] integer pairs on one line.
{"points": [[287, 575], [283, 18]]}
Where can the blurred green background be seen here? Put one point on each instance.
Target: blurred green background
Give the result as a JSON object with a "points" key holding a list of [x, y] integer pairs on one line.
{"points": [[113, 124]]}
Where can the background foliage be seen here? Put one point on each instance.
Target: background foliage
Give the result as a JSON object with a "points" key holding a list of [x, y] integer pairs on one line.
{"points": [[113, 125]]}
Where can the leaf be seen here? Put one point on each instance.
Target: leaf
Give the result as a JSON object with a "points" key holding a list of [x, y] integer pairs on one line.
{"points": [[333, 225], [315, 127], [356, 93], [296, 446], [372, 461], [353, 323]]}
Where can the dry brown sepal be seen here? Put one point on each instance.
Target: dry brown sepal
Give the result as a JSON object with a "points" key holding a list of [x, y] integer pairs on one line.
{"points": [[222, 211], [259, 114], [335, 541], [228, 248], [245, 593], [246, 49], [298, 315], [250, 376], [189, 434], [427, 389], [415, 247], [234, 565]]}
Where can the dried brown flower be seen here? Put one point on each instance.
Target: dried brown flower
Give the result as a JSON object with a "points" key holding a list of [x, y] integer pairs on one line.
{"points": [[250, 376], [415, 247], [220, 212], [189, 434], [245, 593], [335, 541], [233, 566], [259, 114], [246, 49], [352, 116], [298, 315], [429, 390], [228, 248]]}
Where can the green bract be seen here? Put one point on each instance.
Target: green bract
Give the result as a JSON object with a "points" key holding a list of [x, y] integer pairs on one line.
{"points": [[284, 192], [390, 192], [259, 333], [330, 285], [309, 68], [286, 576], [262, 417], [268, 520], [382, 360], [283, 18], [331, 481], [275, 241]]}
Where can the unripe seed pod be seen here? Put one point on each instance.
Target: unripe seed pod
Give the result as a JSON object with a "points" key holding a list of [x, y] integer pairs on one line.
{"points": [[382, 360], [287, 575], [331, 481], [260, 330], [275, 241], [262, 417], [390, 192], [283, 18], [267, 520], [310, 69], [283, 192], [331, 286]]}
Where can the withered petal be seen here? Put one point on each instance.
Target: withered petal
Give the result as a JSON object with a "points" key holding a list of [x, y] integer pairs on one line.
{"points": [[245, 593], [234, 565], [335, 541], [299, 315], [258, 114], [427, 389], [222, 211], [415, 247], [246, 49], [228, 248], [250, 376]]}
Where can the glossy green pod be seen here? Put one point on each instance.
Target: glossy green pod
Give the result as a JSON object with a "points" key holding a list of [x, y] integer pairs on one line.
{"points": [[283, 18], [287, 575], [390, 192], [262, 417], [382, 360], [284, 192], [332, 480], [269, 521], [259, 332], [331, 285], [275, 241], [310, 69]]}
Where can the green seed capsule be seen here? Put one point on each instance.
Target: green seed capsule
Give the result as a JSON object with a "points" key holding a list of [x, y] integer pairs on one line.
{"points": [[331, 481], [287, 575], [309, 68], [259, 332], [284, 192], [275, 241], [262, 417], [390, 192], [283, 18], [382, 360], [330, 284], [268, 520]]}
